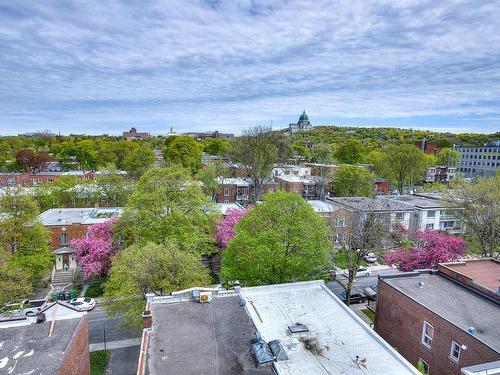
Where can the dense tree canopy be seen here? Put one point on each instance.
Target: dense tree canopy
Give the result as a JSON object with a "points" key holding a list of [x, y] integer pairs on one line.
{"points": [[448, 156], [184, 151], [280, 240], [353, 181], [23, 239], [168, 207], [216, 146], [350, 151], [149, 268], [403, 163]]}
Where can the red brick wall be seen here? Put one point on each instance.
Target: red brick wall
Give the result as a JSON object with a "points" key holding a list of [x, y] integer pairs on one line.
{"points": [[400, 320], [382, 187], [74, 231], [76, 360]]}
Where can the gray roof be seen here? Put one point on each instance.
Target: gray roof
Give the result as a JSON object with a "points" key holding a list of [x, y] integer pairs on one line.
{"points": [[452, 302], [194, 338], [29, 350], [377, 204], [88, 216], [324, 206], [420, 201]]}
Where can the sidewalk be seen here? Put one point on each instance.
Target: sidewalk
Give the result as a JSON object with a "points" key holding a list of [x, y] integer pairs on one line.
{"points": [[84, 290], [357, 308]]}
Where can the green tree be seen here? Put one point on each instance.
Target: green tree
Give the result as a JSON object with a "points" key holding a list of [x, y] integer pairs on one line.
{"points": [[216, 146], [448, 156], [112, 187], [24, 237], [168, 207], [184, 151], [281, 240], [258, 149], [14, 285], [140, 160], [149, 268], [477, 205], [404, 164], [350, 151], [353, 181], [368, 235], [82, 153], [208, 176], [322, 153]]}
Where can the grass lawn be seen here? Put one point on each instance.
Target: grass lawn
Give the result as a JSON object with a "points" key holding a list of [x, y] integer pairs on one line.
{"points": [[369, 314], [95, 289], [341, 262], [99, 362]]}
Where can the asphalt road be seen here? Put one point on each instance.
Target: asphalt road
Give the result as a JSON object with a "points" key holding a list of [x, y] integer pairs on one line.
{"points": [[359, 283], [124, 344]]}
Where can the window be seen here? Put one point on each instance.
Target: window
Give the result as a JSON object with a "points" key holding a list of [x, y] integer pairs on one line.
{"points": [[244, 191], [447, 224], [427, 334], [226, 192], [340, 222], [455, 351], [400, 215], [339, 237], [431, 213], [49, 180], [226, 201], [425, 365], [429, 226], [64, 238]]}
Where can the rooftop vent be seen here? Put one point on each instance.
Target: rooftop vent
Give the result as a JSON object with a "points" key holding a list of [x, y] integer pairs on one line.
{"points": [[40, 318], [277, 350], [261, 353], [472, 330], [420, 284], [298, 328]]}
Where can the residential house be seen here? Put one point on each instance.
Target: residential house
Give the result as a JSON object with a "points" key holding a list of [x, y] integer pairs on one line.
{"points": [[287, 329], [430, 212], [337, 216], [441, 173], [427, 147], [24, 179], [200, 136], [66, 224], [387, 210], [447, 318]]}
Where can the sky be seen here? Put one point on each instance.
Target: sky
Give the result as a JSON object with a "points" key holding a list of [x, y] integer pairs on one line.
{"points": [[99, 67]]}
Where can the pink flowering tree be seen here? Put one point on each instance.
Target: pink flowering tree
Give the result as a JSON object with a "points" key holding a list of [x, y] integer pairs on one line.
{"points": [[93, 253], [226, 229], [429, 248]]}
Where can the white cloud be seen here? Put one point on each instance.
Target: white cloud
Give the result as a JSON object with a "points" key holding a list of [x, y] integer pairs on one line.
{"points": [[103, 66]]}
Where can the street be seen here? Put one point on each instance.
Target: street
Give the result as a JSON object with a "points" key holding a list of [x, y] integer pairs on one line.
{"points": [[360, 282], [124, 344]]}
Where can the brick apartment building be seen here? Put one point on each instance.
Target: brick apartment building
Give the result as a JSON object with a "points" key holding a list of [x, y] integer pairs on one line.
{"points": [[240, 190], [427, 147], [33, 179], [447, 319], [339, 218], [133, 134]]}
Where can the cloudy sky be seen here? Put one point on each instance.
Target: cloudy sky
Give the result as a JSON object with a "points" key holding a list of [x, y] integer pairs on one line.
{"points": [[103, 66]]}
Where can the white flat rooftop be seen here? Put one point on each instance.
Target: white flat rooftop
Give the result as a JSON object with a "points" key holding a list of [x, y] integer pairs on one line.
{"points": [[232, 181], [340, 333], [324, 206], [86, 216]]}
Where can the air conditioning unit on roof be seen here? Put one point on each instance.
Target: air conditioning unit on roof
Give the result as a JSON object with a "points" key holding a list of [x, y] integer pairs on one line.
{"points": [[205, 297]]}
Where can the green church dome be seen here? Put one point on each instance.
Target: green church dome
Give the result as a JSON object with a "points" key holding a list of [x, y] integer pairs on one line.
{"points": [[304, 116]]}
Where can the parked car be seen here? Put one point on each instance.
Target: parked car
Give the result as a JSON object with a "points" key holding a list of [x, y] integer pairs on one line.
{"points": [[356, 297], [362, 271], [24, 307], [370, 258], [84, 304], [371, 291]]}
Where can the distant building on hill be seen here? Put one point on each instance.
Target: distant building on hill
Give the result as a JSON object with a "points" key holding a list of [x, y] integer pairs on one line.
{"points": [[216, 134], [302, 124], [479, 161], [133, 134]]}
